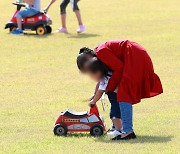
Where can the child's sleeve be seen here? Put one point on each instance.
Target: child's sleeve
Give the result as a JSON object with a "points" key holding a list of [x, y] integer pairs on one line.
{"points": [[103, 84], [115, 64]]}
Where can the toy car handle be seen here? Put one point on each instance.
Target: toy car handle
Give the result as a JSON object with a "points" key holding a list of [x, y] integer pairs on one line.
{"points": [[19, 4]]}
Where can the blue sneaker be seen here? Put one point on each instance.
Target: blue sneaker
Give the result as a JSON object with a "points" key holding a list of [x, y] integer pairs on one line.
{"points": [[17, 32]]}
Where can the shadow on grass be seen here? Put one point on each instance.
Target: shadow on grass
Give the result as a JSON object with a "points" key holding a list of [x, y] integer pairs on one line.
{"points": [[78, 36], [79, 135], [37, 36], [82, 35], [140, 139]]}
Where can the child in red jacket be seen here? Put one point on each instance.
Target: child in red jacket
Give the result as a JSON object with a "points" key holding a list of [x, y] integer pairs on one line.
{"points": [[133, 74]]}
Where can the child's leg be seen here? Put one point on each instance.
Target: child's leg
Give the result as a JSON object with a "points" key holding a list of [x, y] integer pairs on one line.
{"points": [[63, 12], [117, 124], [115, 110], [24, 13], [63, 20], [77, 12], [78, 15], [19, 23], [81, 27], [126, 117]]}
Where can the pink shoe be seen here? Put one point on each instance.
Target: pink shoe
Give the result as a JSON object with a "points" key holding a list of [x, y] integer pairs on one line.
{"points": [[62, 30], [81, 29]]}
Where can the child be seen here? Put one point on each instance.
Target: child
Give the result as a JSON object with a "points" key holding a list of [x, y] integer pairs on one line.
{"points": [[63, 6], [100, 73], [132, 72], [31, 9]]}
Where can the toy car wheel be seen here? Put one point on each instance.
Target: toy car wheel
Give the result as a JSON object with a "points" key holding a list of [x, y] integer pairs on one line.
{"points": [[12, 28], [60, 130], [40, 30], [96, 130], [48, 29]]}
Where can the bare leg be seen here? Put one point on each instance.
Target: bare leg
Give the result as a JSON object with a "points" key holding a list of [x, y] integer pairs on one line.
{"points": [[63, 20], [19, 23], [78, 15], [117, 123]]}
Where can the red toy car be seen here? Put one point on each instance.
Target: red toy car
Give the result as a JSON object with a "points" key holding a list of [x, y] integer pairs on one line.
{"points": [[69, 121], [39, 22]]}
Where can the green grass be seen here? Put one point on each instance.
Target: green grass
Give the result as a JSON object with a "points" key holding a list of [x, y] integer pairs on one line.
{"points": [[39, 78]]}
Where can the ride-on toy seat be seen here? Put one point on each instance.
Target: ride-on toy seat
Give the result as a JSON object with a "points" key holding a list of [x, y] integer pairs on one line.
{"points": [[74, 115], [40, 22], [69, 121]]}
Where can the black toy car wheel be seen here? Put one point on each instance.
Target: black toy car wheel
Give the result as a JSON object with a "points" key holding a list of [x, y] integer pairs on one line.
{"points": [[96, 130], [60, 130], [40, 30], [48, 29]]}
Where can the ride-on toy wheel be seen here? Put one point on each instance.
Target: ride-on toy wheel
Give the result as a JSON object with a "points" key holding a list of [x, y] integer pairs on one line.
{"points": [[40, 30], [60, 130], [48, 29], [96, 130]]}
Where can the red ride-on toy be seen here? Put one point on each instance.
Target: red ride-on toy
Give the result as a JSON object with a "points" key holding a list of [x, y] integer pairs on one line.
{"points": [[69, 121], [39, 22]]}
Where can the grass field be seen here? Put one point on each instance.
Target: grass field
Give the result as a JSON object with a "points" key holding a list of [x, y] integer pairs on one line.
{"points": [[39, 78]]}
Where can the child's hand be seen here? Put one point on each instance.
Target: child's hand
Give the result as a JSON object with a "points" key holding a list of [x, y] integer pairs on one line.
{"points": [[91, 97], [91, 103], [46, 9]]}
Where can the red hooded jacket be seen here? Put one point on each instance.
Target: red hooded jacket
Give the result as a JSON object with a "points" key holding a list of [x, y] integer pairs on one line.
{"points": [[133, 71]]}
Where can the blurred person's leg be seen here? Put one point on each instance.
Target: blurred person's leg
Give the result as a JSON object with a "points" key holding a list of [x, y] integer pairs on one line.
{"points": [[81, 27], [23, 14], [63, 6]]}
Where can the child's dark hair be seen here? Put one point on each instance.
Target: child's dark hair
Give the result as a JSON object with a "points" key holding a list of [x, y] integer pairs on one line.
{"points": [[82, 58], [87, 51], [94, 65]]}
